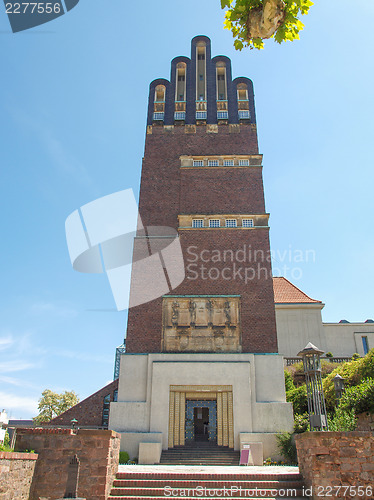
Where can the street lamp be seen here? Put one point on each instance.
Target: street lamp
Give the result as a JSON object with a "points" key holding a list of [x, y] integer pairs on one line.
{"points": [[339, 387], [316, 402]]}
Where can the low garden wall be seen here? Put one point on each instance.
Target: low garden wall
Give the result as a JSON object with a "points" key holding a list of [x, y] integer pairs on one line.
{"points": [[337, 464], [97, 451], [16, 473]]}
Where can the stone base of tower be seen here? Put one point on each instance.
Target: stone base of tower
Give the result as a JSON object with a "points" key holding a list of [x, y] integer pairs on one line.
{"points": [[176, 399]]}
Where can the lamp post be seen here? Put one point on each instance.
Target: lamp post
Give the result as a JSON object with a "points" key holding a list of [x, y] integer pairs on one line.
{"points": [[339, 387], [316, 402]]}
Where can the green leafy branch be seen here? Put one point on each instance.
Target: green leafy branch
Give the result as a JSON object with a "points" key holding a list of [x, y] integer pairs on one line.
{"points": [[242, 16]]}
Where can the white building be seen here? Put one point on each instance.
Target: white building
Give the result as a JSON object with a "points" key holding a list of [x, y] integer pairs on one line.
{"points": [[299, 321]]}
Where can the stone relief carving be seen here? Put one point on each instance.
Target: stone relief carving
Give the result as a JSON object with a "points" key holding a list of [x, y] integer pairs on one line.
{"points": [[175, 313], [201, 324], [192, 312]]}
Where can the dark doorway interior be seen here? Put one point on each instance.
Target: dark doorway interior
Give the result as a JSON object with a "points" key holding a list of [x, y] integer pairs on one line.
{"points": [[201, 423]]}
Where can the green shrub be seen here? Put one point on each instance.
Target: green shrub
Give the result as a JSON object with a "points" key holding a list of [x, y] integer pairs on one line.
{"points": [[354, 372], [301, 423], [287, 448], [298, 398], [288, 381], [123, 457], [359, 398], [342, 420], [355, 356], [329, 355]]}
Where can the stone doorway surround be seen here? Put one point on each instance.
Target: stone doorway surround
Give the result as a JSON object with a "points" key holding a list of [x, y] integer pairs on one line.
{"points": [[177, 411]]}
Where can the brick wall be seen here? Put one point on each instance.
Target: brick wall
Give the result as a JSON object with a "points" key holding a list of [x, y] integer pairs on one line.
{"points": [[16, 473], [88, 412], [168, 190], [337, 459], [97, 450]]}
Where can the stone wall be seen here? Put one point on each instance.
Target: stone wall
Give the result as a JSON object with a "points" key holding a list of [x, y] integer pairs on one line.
{"points": [[97, 451], [16, 473], [365, 422], [329, 460]]}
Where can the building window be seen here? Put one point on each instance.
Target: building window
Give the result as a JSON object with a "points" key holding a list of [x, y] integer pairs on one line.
{"points": [[180, 88], [222, 115], [105, 414], [228, 163], [201, 57], [197, 222], [213, 163], [200, 115], [365, 345], [243, 163], [247, 223], [160, 92], [214, 223], [115, 395], [244, 115], [180, 115], [242, 92], [231, 223], [221, 77], [198, 163], [158, 116]]}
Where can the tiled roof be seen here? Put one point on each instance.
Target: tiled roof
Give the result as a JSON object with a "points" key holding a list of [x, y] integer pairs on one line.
{"points": [[287, 293]]}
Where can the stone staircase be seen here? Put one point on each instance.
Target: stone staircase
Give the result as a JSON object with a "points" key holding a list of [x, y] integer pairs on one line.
{"points": [[200, 453], [214, 484]]}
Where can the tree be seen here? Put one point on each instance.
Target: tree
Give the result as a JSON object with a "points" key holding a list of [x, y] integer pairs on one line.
{"points": [[253, 21], [52, 404]]}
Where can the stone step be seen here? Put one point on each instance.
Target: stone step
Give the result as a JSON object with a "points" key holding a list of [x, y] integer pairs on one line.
{"points": [[121, 497], [246, 475], [221, 491], [190, 485], [181, 483]]}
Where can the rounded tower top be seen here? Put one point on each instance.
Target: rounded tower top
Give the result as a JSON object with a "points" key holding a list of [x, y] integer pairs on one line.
{"points": [[201, 91]]}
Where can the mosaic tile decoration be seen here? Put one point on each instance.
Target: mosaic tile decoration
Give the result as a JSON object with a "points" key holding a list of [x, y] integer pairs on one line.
{"points": [[190, 406]]}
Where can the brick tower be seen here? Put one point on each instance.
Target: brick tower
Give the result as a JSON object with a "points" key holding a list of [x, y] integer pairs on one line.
{"points": [[201, 341]]}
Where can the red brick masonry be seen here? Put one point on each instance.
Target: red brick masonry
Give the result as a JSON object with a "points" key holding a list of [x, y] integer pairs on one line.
{"points": [[16, 473], [98, 453], [337, 464]]}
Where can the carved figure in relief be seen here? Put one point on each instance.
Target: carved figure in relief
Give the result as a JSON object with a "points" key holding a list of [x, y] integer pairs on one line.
{"points": [[192, 311], [227, 311], [175, 313], [210, 307]]}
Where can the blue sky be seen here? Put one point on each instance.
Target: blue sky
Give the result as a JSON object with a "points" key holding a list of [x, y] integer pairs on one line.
{"points": [[73, 112]]}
